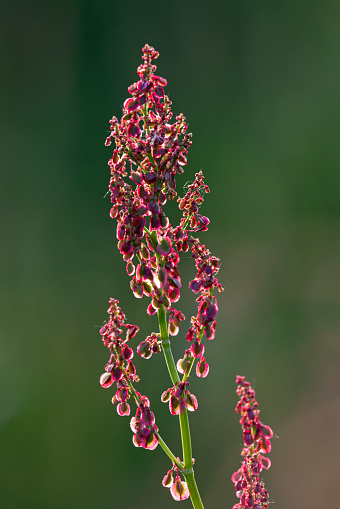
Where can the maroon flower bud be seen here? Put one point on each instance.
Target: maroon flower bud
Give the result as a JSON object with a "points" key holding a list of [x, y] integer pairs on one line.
{"points": [[148, 418], [202, 368], [247, 438], [151, 442], [266, 431], [122, 394], [176, 405], [190, 402], [134, 130], [211, 312], [151, 310], [265, 462], [195, 285], [174, 295], [162, 276], [166, 395], [131, 104], [178, 391], [179, 234], [164, 246], [106, 380], [123, 408], [131, 331], [265, 445], [160, 81], [131, 368], [144, 350], [136, 176], [179, 490], [168, 480], [197, 349], [114, 211], [126, 248], [117, 374]]}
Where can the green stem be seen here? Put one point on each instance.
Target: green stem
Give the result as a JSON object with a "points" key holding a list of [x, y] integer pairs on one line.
{"points": [[188, 471], [168, 452]]}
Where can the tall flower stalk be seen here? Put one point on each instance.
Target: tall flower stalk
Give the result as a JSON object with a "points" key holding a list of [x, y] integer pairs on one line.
{"points": [[150, 152]]}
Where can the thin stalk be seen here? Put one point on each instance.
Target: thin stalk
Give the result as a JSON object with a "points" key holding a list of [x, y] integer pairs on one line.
{"points": [[168, 452]]}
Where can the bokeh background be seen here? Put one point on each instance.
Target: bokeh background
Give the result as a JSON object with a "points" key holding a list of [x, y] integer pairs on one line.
{"points": [[259, 82]]}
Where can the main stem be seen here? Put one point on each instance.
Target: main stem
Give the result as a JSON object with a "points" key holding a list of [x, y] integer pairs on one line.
{"points": [[187, 471]]}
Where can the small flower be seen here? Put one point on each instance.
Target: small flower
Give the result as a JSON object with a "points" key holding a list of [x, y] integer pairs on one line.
{"points": [[179, 398], [179, 490], [106, 380]]}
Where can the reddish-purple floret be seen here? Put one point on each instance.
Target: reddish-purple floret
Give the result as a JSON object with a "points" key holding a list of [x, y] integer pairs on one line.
{"points": [[256, 438]]}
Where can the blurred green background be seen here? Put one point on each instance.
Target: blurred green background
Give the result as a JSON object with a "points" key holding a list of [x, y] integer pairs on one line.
{"points": [[259, 82]]}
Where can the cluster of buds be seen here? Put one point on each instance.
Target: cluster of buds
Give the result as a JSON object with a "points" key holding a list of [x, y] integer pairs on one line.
{"points": [[178, 488], [143, 425], [179, 398], [256, 437], [121, 370]]}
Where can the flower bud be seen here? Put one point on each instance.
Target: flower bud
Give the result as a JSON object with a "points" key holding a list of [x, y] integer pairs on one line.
{"points": [[166, 396], [202, 368], [164, 246], [168, 480], [191, 402], [144, 350], [106, 380]]}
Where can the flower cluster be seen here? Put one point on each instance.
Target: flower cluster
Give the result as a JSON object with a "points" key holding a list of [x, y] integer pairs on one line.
{"points": [[155, 150], [256, 437], [150, 153], [179, 398], [178, 488], [120, 369], [143, 425]]}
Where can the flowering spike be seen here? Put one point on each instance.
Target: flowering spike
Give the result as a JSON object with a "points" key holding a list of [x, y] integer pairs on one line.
{"points": [[149, 156], [249, 489], [179, 490]]}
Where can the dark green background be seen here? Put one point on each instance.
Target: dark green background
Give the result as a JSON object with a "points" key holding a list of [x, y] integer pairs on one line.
{"points": [[258, 81]]}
